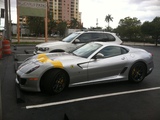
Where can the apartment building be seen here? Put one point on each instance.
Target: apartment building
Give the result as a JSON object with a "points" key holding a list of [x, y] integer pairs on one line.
{"points": [[65, 10]]}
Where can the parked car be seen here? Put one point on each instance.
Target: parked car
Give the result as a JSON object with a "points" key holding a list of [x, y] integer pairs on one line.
{"points": [[75, 40], [94, 62]]}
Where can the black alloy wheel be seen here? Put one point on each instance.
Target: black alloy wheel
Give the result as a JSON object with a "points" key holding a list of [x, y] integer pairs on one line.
{"points": [[54, 81], [137, 72]]}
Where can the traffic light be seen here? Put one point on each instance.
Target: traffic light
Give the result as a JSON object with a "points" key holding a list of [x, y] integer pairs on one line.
{"points": [[2, 13]]}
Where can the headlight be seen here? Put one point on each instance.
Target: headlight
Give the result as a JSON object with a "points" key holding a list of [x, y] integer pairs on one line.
{"points": [[44, 49], [33, 69]]}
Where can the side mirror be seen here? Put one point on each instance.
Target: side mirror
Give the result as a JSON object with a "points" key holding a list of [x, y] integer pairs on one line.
{"points": [[76, 41], [99, 55]]}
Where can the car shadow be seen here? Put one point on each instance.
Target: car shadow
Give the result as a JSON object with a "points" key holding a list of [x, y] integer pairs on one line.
{"points": [[32, 98]]}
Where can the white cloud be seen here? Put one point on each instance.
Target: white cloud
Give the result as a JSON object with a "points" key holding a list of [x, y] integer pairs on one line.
{"points": [[93, 10], [145, 10]]}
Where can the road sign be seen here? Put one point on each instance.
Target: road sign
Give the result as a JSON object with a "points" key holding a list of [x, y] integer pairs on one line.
{"points": [[32, 8]]}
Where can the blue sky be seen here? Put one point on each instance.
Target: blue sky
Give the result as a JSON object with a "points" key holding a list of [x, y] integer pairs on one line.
{"points": [[144, 10]]}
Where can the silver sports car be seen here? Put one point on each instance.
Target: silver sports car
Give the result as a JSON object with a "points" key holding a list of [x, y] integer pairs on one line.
{"points": [[95, 62]]}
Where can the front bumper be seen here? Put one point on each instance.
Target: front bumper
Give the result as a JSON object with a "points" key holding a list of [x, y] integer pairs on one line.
{"points": [[27, 84], [35, 52], [39, 52]]}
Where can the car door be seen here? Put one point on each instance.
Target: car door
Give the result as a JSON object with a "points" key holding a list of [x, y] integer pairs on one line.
{"points": [[110, 65], [82, 39], [85, 38]]}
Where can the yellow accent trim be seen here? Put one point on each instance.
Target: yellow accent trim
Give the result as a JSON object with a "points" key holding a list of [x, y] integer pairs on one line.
{"points": [[43, 59]]}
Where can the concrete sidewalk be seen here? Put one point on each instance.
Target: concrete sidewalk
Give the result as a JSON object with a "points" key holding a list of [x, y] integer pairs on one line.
{"points": [[35, 39], [42, 40], [139, 43]]}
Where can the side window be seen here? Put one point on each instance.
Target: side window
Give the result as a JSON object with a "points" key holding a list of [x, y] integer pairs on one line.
{"points": [[111, 51], [108, 37], [84, 38], [97, 37], [124, 51]]}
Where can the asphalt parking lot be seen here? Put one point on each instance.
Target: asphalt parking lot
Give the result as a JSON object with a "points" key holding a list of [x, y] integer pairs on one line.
{"points": [[112, 101]]}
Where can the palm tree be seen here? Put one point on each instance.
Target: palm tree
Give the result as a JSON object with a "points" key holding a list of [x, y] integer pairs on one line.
{"points": [[108, 19], [74, 23]]}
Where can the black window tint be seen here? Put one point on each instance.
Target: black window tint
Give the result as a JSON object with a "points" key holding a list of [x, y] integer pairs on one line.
{"points": [[97, 37], [84, 38], [111, 51], [109, 37], [124, 51]]}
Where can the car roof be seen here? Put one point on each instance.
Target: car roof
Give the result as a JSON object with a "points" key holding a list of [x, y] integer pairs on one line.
{"points": [[106, 43], [111, 44], [95, 32]]}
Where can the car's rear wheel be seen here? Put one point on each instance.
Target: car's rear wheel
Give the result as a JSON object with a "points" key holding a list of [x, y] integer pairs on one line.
{"points": [[137, 72], [54, 81]]}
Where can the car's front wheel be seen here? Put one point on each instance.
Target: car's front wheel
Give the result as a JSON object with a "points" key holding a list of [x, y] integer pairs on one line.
{"points": [[137, 72], [54, 81]]}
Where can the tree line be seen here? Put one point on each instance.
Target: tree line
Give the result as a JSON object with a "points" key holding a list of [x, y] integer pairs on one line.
{"points": [[131, 29], [36, 25]]}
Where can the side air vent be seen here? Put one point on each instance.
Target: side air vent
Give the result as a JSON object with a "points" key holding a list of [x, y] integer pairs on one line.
{"points": [[124, 69]]}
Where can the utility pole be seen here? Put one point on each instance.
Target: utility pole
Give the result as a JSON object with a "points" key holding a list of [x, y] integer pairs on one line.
{"points": [[46, 22], [7, 21], [97, 23], [10, 21]]}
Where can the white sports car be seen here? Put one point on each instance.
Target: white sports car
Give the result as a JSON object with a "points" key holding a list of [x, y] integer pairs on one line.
{"points": [[95, 62]]}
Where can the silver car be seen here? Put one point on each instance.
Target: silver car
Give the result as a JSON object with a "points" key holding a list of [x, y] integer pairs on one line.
{"points": [[95, 62], [75, 40]]}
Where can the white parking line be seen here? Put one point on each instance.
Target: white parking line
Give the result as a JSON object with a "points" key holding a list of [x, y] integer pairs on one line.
{"points": [[90, 98]]}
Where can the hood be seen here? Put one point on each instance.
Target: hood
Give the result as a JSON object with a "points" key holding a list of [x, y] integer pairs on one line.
{"points": [[58, 58], [61, 56], [51, 44], [44, 61]]}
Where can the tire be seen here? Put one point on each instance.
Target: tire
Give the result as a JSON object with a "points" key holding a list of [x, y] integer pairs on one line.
{"points": [[54, 81], [137, 72]]}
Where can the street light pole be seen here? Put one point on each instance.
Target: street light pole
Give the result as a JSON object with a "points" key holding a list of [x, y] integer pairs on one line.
{"points": [[7, 22], [10, 21], [46, 22]]}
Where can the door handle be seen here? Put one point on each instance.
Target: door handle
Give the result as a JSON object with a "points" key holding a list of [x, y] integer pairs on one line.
{"points": [[123, 58]]}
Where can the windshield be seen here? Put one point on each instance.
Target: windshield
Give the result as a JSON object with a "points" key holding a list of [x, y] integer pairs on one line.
{"points": [[70, 37], [86, 50]]}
